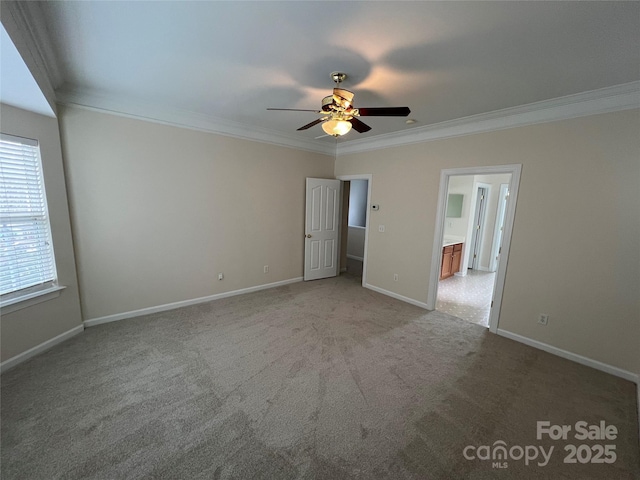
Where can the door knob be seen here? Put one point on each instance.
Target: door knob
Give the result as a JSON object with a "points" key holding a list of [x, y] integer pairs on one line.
{"points": [[308, 235]]}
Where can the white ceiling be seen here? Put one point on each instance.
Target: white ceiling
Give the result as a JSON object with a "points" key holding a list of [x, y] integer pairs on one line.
{"points": [[17, 86], [231, 60]]}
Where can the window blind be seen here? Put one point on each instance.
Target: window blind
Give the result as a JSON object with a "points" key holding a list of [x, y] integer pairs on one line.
{"points": [[26, 253]]}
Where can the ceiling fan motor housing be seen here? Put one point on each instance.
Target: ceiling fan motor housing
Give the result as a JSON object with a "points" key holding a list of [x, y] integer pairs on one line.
{"points": [[340, 101], [327, 103]]}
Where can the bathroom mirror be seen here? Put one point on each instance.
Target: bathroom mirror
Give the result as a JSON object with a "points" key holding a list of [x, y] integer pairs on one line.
{"points": [[454, 205]]}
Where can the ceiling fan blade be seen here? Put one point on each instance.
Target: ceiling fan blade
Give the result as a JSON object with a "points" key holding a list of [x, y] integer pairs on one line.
{"points": [[384, 112], [315, 122], [359, 126], [294, 110]]}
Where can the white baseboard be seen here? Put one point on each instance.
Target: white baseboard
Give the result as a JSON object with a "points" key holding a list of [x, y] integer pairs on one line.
{"points": [[354, 257], [32, 352], [603, 367], [397, 296], [185, 303]]}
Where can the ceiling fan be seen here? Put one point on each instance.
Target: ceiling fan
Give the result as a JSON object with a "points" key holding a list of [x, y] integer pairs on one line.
{"points": [[339, 115]]}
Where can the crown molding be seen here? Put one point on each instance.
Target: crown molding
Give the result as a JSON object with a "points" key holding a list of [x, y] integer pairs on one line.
{"points": [[593, 102], [604, 100], [188, 119], [25, 24]]}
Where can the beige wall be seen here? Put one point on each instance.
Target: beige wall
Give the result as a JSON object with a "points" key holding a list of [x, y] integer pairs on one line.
{"points": [[157, 211], [574, 251], [31, 326]]}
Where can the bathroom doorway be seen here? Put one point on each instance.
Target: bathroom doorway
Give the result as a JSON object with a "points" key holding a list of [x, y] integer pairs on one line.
{"points": [[471, 287]]}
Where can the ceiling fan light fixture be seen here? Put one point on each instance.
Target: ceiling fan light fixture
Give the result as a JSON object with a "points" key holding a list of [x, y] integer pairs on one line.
{"points": [[339, 115], [336, 128]]}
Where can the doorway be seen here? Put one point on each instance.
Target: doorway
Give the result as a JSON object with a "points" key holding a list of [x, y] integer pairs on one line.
{"points": [[486, 277], [356, 195], [465, 289]]}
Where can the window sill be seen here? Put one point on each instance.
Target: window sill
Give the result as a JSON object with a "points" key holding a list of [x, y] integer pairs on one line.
{"points": [[30, 299]]}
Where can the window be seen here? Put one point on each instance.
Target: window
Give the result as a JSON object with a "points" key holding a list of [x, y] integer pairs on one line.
{"points": [[27, 264]]}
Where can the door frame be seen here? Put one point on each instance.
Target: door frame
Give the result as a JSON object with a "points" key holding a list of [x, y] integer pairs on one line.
{"points": [[436, 256], [369, 178]]}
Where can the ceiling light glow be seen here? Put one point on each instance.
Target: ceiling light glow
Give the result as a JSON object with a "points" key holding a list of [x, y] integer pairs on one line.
{"points": [[336, 128]]}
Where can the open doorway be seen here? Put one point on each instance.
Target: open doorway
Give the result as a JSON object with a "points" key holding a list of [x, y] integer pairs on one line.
{"points": [[465, 289], [476, 210], [354, 231]]}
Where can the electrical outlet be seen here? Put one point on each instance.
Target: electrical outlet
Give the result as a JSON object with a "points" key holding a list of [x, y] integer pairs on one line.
{"points": [[395, 277], [381, 228], [221, 276], [266, 269], [543, 319]]}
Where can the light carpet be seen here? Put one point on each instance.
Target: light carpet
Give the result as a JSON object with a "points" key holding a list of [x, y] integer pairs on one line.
{"points": [[316, 380]]}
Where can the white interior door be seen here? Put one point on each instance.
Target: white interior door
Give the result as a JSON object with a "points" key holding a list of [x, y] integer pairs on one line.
{"points": [[476, 235], [322, 228], [497, 236]]}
